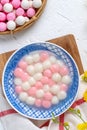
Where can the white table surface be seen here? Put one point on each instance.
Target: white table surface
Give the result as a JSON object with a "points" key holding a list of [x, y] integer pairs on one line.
{"points": [[59, 18]]}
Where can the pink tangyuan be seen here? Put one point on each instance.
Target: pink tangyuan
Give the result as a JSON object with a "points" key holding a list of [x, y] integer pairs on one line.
{"points": [[32, 91], [20, 11], [1, 7], [18, 89], [55, 68], [18, 72], [3, 26], [45, 80], [2, 17], [47, 73], [11, 16], [38, 102], [48, 96], [16, 3], [63, 87], [24, 76], [38, 85], [44, 56], [4, 1], [31, 12], [64, 70], [46, 104], [22, 64], [51, 82]]}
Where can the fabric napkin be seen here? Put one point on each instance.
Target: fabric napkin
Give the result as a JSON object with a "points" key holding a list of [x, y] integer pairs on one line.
{"points": [[11, 120]]}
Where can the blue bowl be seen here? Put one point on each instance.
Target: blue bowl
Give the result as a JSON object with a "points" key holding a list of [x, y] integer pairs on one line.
{"points": [[30, 111]]}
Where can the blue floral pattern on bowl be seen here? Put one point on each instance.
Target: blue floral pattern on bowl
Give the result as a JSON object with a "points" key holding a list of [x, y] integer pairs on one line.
{"points": [[30, 111]]}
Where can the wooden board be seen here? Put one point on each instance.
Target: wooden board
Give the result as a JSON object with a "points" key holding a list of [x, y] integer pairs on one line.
{"points": [[67, 42]]}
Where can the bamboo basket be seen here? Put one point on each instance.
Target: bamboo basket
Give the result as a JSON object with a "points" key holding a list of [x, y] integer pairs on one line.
{"points": [[27, 24]]}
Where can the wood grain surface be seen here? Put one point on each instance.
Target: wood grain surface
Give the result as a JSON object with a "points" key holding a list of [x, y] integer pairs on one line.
{"points": [[67, 42]]}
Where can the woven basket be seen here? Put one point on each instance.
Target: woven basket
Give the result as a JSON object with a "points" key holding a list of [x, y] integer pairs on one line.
{"points": [[28, 24]]}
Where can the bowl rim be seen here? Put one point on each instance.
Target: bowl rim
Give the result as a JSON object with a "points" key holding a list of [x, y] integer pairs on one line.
{"points": [[42, 42]]}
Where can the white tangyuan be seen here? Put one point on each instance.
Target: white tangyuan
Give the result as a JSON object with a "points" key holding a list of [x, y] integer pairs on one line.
{"points": [[28, 59], [38, 67], [37, 3], [20, 20], [26, 19], [38, 76], [11, 25], [26, 86], [40, 93], [53, 59], [36, 57], [25, 4], [62, 95], [30, 69], [23, 96], [17, 81], [30, 100], [60, 63], [46, 64], [55, 89], [31, 81], [55, 100], [8, 7], [66, 79], [56, 77], [46, 88]]}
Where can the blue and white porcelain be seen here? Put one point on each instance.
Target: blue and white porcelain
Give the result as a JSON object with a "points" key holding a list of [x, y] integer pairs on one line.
{"points": [[30, 111]]}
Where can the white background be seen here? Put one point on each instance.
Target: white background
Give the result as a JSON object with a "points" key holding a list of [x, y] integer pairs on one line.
{"points": [[59, 18]]}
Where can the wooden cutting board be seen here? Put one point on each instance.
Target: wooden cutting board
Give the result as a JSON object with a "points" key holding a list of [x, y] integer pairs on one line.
{"points": [[67, 42]]}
